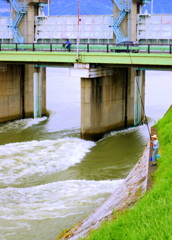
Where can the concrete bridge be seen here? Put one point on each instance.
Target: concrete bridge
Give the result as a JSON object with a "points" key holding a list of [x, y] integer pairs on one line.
{"points": [[150, 57], [112, 84]]}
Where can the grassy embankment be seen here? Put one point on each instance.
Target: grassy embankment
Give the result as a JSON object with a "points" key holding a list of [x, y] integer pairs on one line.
{"points": [[151, 218]]}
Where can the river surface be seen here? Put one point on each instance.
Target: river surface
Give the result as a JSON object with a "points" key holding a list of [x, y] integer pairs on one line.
{"points": [[50, 178]]}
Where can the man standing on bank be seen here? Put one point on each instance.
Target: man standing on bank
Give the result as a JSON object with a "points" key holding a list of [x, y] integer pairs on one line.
{"points": [[155, 146]]}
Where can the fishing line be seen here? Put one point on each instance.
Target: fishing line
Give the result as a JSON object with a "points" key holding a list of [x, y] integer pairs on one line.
{"points": [[142, 104]]}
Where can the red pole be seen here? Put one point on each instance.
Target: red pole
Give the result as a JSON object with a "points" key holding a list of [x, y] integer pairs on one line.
{"points": [[78, 29]]}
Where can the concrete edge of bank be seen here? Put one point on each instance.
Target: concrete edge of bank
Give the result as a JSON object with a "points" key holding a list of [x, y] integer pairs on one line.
{"points": [[128, 192]]}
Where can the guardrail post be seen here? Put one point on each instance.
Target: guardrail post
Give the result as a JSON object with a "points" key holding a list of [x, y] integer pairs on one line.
{"points": [[128, 49], [107, 48], [16, 47], [170, 48], [87, 47], [51, 47], [33, 47], [0, 47], [148, 48]]}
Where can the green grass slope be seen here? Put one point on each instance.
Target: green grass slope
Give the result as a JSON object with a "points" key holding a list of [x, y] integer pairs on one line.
{"points": [[151, 218]]}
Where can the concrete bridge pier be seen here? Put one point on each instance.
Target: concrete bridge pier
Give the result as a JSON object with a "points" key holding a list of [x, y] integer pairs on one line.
{"points": [[108, 99], [17, 100], [12, 99], [35, 78]]}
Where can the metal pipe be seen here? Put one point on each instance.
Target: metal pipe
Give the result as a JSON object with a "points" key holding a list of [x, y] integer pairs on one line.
{"points": [[36, 92]]}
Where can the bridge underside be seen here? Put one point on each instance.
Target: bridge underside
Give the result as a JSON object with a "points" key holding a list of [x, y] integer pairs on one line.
{"points": [[109, 96]]}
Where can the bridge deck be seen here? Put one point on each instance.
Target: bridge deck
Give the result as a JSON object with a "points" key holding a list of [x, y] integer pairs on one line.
{"points": [[155, 60]]}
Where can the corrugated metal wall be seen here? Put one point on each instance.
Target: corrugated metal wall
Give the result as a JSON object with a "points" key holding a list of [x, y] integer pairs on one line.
{"points": [[5, 32], [155, 28], [94, 28]]}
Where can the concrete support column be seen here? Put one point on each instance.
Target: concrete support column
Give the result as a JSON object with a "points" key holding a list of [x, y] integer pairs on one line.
{"points": [[12, 87], [27, 25], [129, 23], [29, 90], [107, 103], [27, 29], [17, 92]]}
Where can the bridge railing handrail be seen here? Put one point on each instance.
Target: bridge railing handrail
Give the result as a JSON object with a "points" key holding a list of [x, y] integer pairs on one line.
{"points": [[87, 47]]}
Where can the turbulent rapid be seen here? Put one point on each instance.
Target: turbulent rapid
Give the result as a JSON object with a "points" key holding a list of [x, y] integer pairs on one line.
{"points": [[50, 178], [37, 159]]}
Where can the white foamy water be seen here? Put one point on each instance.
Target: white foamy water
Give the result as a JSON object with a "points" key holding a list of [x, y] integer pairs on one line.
{"points": [[49, 182], [54, 200], [22, 160], [19, 125], [35, 121]]}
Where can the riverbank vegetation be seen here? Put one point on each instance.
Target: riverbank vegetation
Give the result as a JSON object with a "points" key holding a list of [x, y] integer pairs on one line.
{"points": [[151, 218]]}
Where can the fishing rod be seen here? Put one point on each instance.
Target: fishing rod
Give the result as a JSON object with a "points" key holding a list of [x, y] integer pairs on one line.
{"points": [[142, 104], [145, 117]]}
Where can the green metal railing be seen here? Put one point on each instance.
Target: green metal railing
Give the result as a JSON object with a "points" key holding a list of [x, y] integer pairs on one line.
{"points": [[54, 47]]}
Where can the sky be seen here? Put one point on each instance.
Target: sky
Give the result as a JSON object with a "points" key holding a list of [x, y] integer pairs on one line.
{"points": [[66, 7]]}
